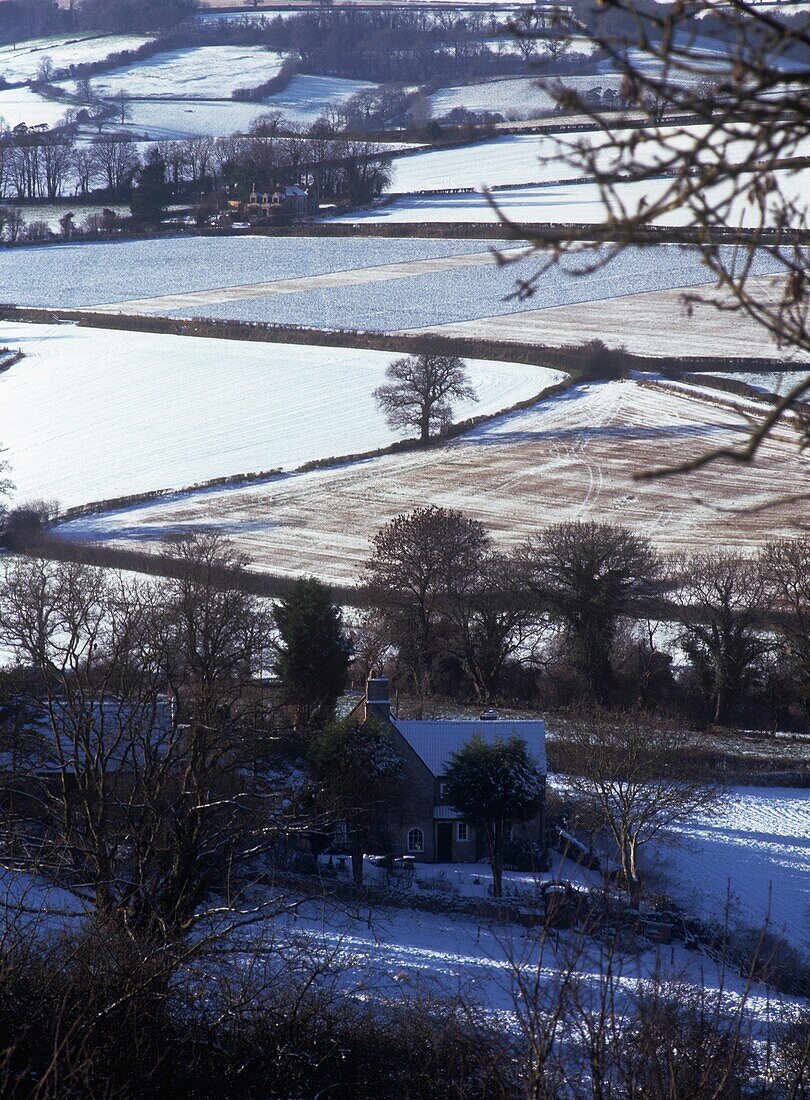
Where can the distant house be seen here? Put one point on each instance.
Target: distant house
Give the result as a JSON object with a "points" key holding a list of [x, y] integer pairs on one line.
{"points": [[287, 200], [426, 826]]}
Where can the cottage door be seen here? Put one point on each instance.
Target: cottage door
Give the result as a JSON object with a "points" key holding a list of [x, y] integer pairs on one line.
{"points": [[444, 842]]}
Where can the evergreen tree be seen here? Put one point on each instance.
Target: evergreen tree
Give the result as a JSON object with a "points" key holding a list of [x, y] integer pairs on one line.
{"points": [[357, 769], [150, 195], [313, 651], [493, 786]]}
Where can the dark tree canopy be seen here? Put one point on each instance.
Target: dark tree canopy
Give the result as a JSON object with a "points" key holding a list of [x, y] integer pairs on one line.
{"points": [[720, 599], [150, 195], [313, 650], [419, 391], [493, 786], [585, 574], [357, 770], [418, 560]]}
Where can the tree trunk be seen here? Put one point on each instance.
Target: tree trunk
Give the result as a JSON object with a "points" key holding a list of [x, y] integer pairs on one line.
{"points": [[424, 426], [357, 858], [496, 860]]}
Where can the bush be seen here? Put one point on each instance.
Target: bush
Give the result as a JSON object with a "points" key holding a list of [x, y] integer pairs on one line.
{"points": [[524, 855]]}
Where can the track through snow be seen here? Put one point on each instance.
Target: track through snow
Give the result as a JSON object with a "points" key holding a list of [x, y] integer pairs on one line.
{"points": [[573, 456]]}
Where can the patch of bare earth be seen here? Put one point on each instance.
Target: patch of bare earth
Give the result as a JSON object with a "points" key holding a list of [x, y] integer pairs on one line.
{"points": [[572, 457]]}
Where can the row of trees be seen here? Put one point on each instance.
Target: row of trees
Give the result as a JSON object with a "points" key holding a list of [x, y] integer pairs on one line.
{"points": [[53, 164], [24, 19], [590, 611]]}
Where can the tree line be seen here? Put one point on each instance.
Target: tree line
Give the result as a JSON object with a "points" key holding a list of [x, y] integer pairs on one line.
{"points": [[24, 19], [201, 172], [587, 612]]}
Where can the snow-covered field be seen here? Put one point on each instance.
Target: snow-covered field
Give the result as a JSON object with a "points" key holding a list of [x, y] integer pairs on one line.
{"points": [[772, 383], [206, 72], [20, 63], [177, 119], [303, 101], [755, 855], [578, 201], [519, 159], [104, 274], [571, 457], [91, 414], [95, 273], [514, 97], [22, 105], [307, 97], [645, 324]]}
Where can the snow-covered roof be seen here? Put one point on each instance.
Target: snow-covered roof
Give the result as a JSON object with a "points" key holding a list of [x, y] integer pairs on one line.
{"points": [[435, 742]]}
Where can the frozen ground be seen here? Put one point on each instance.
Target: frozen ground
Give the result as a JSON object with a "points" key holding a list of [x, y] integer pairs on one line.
{"points": [[569, 202], [90, 414], [756, 854], [572, 457], [645, 324], [22, 105], [206, 72], [20, 63], [92, 274]]}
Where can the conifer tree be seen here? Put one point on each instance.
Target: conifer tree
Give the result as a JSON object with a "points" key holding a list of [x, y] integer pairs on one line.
{"points": [[313, 651]]}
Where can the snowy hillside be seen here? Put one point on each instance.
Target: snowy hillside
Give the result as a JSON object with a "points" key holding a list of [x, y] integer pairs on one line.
{"points": [[92, 414]]}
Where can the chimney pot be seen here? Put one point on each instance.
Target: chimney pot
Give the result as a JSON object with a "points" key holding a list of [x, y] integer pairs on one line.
{"points": [[377, 700]]}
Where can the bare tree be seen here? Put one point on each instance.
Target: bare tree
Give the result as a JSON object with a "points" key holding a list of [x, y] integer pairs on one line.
{"points": [[720, 600], [418, 560], [634, 773], [586, 575], [492, 620], [123, 111], [419, 390], [731, 175], [139, 793], [785, 568], [116, 163]]}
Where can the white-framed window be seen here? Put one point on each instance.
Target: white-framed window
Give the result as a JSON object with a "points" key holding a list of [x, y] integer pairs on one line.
{"points": [[462, 833], [416, 840], [443, 790]]}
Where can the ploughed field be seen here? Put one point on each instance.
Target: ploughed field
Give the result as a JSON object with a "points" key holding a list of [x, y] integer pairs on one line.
{"points": [[570, 457]]}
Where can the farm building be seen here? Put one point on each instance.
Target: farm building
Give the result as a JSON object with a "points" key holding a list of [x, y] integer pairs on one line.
{"points": [[425, 825], [286, 200]]}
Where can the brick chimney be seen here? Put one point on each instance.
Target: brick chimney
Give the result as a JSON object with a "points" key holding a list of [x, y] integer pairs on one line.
{"points": [[378, 705]]}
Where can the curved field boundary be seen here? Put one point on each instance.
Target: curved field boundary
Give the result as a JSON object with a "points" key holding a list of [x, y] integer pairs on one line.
{"points": [[575, 360]]}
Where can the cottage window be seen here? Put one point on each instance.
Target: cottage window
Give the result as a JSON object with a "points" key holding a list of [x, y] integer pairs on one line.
{"points": [[461, 832], [416, 840], [443, 790]]}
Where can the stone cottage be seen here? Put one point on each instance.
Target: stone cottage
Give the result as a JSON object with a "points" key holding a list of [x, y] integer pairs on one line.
{"points": [[426, 826]]}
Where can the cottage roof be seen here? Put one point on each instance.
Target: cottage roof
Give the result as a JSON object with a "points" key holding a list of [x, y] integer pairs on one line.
{"points": [[435, 742]]}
